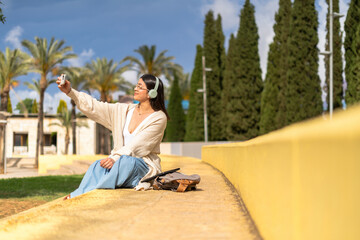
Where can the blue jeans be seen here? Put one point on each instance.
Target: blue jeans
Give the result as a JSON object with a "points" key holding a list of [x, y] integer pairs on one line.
{"points": [[125, 173]]}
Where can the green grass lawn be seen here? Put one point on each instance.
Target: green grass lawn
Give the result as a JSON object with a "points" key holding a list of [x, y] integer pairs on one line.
{"points": [[45, 188]]}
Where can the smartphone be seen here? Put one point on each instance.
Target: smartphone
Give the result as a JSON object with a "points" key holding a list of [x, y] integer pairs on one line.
{"points": [[63, 77]]}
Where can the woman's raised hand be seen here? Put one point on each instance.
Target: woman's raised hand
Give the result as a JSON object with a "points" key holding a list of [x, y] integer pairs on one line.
{"points": [[66, 87]]}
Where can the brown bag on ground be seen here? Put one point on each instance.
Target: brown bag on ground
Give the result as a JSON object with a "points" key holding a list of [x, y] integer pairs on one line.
{"points": [[176, 182]]}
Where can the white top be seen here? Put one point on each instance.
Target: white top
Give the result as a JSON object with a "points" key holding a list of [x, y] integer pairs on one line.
{"points": [[127, 135]]}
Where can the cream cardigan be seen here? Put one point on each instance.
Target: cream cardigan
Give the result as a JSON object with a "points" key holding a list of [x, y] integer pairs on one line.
{"points": [[147, 136]]}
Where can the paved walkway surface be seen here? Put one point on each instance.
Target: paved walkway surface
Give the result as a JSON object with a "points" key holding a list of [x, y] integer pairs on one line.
{"points": [[16, 172], [214, 211]]}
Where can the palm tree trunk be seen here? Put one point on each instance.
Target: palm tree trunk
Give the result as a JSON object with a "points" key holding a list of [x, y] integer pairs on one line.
{"points": [[73, 125], [41, 121], [67, 140], [4, 99], [37, 143]]}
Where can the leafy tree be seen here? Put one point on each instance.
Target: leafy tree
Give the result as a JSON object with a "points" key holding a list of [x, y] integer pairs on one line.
{"points": [[303, 88], [273, 99], [337, 59], [25, 105], [214, 58], [105, 77], [45, 60], [195, 115], [152, 64], [34, 108], [62, 106], [175, 130], [13, 63], [245, 96], [351, 25], [35, 85]]}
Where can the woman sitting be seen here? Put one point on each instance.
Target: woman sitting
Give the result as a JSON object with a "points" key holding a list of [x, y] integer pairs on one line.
{"points": [[137, 132]]}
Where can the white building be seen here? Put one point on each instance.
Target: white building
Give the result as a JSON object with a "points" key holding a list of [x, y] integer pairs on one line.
{"points": [[21, 135]]}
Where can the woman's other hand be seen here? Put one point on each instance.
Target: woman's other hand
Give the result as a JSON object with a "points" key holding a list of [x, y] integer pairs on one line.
{"points": [[66, 88], [107, 163]]}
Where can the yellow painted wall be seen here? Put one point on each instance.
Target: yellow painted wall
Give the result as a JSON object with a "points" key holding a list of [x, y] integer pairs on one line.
{"points": [[301, 182], [52, 162]]}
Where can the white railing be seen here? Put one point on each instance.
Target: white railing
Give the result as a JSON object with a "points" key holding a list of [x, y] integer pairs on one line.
{"points": [[21, 150]]}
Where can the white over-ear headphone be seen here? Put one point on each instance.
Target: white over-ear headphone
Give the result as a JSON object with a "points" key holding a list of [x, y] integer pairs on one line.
{"points": [[153, 92]]}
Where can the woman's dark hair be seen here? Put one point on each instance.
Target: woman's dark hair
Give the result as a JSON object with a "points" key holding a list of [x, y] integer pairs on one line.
{"points": [[158, 102]]}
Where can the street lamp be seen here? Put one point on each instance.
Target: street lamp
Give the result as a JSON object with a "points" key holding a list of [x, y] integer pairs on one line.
{"points": [[203, 90], [329, 53]]}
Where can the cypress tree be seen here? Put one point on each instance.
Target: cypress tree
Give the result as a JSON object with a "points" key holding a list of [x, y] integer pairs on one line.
{"points": [[351, 25], [212, 52], [355, 68], [230, 81], [34, 108], [220, 72], [62, 106], [303, 86], [337, 59], [245, 96], [273, 99], [195, 115], [175, 130], [220, 55]]}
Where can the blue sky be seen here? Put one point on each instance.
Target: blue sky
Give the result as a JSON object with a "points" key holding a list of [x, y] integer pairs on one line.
{"points": [[114, 28]]}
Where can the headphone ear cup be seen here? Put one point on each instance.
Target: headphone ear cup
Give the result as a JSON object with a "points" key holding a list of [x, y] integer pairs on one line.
{"points": [[152, 93]]}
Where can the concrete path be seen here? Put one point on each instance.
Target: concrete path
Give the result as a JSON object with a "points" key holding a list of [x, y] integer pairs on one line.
{"points": [[214, 211], [16, 172]]}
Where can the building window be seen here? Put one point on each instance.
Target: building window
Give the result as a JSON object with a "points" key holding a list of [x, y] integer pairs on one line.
{"points": [[50, 139], [20, 143], [20, 139], [50, 143]]}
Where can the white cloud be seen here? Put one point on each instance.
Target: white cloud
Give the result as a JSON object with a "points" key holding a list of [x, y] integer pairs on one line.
{"points": [[264, 15], [321, 45], [228, 9], [322, 39], [82, 58], [344, 6], [51, 102], [130, 76], [13, 37]]}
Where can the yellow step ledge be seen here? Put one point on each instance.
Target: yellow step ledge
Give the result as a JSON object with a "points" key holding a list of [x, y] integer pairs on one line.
{"points": [[211, 212], [300, 182]]}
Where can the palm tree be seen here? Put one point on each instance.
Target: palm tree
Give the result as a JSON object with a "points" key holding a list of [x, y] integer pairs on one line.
{"points": [[66, 122], [78, 78], [13, 63], [152, 64], [105, 77], [45, 60], [35, 85]]}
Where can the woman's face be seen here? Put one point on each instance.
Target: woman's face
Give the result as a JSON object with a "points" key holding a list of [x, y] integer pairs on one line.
{"points": [[141, 92]]}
